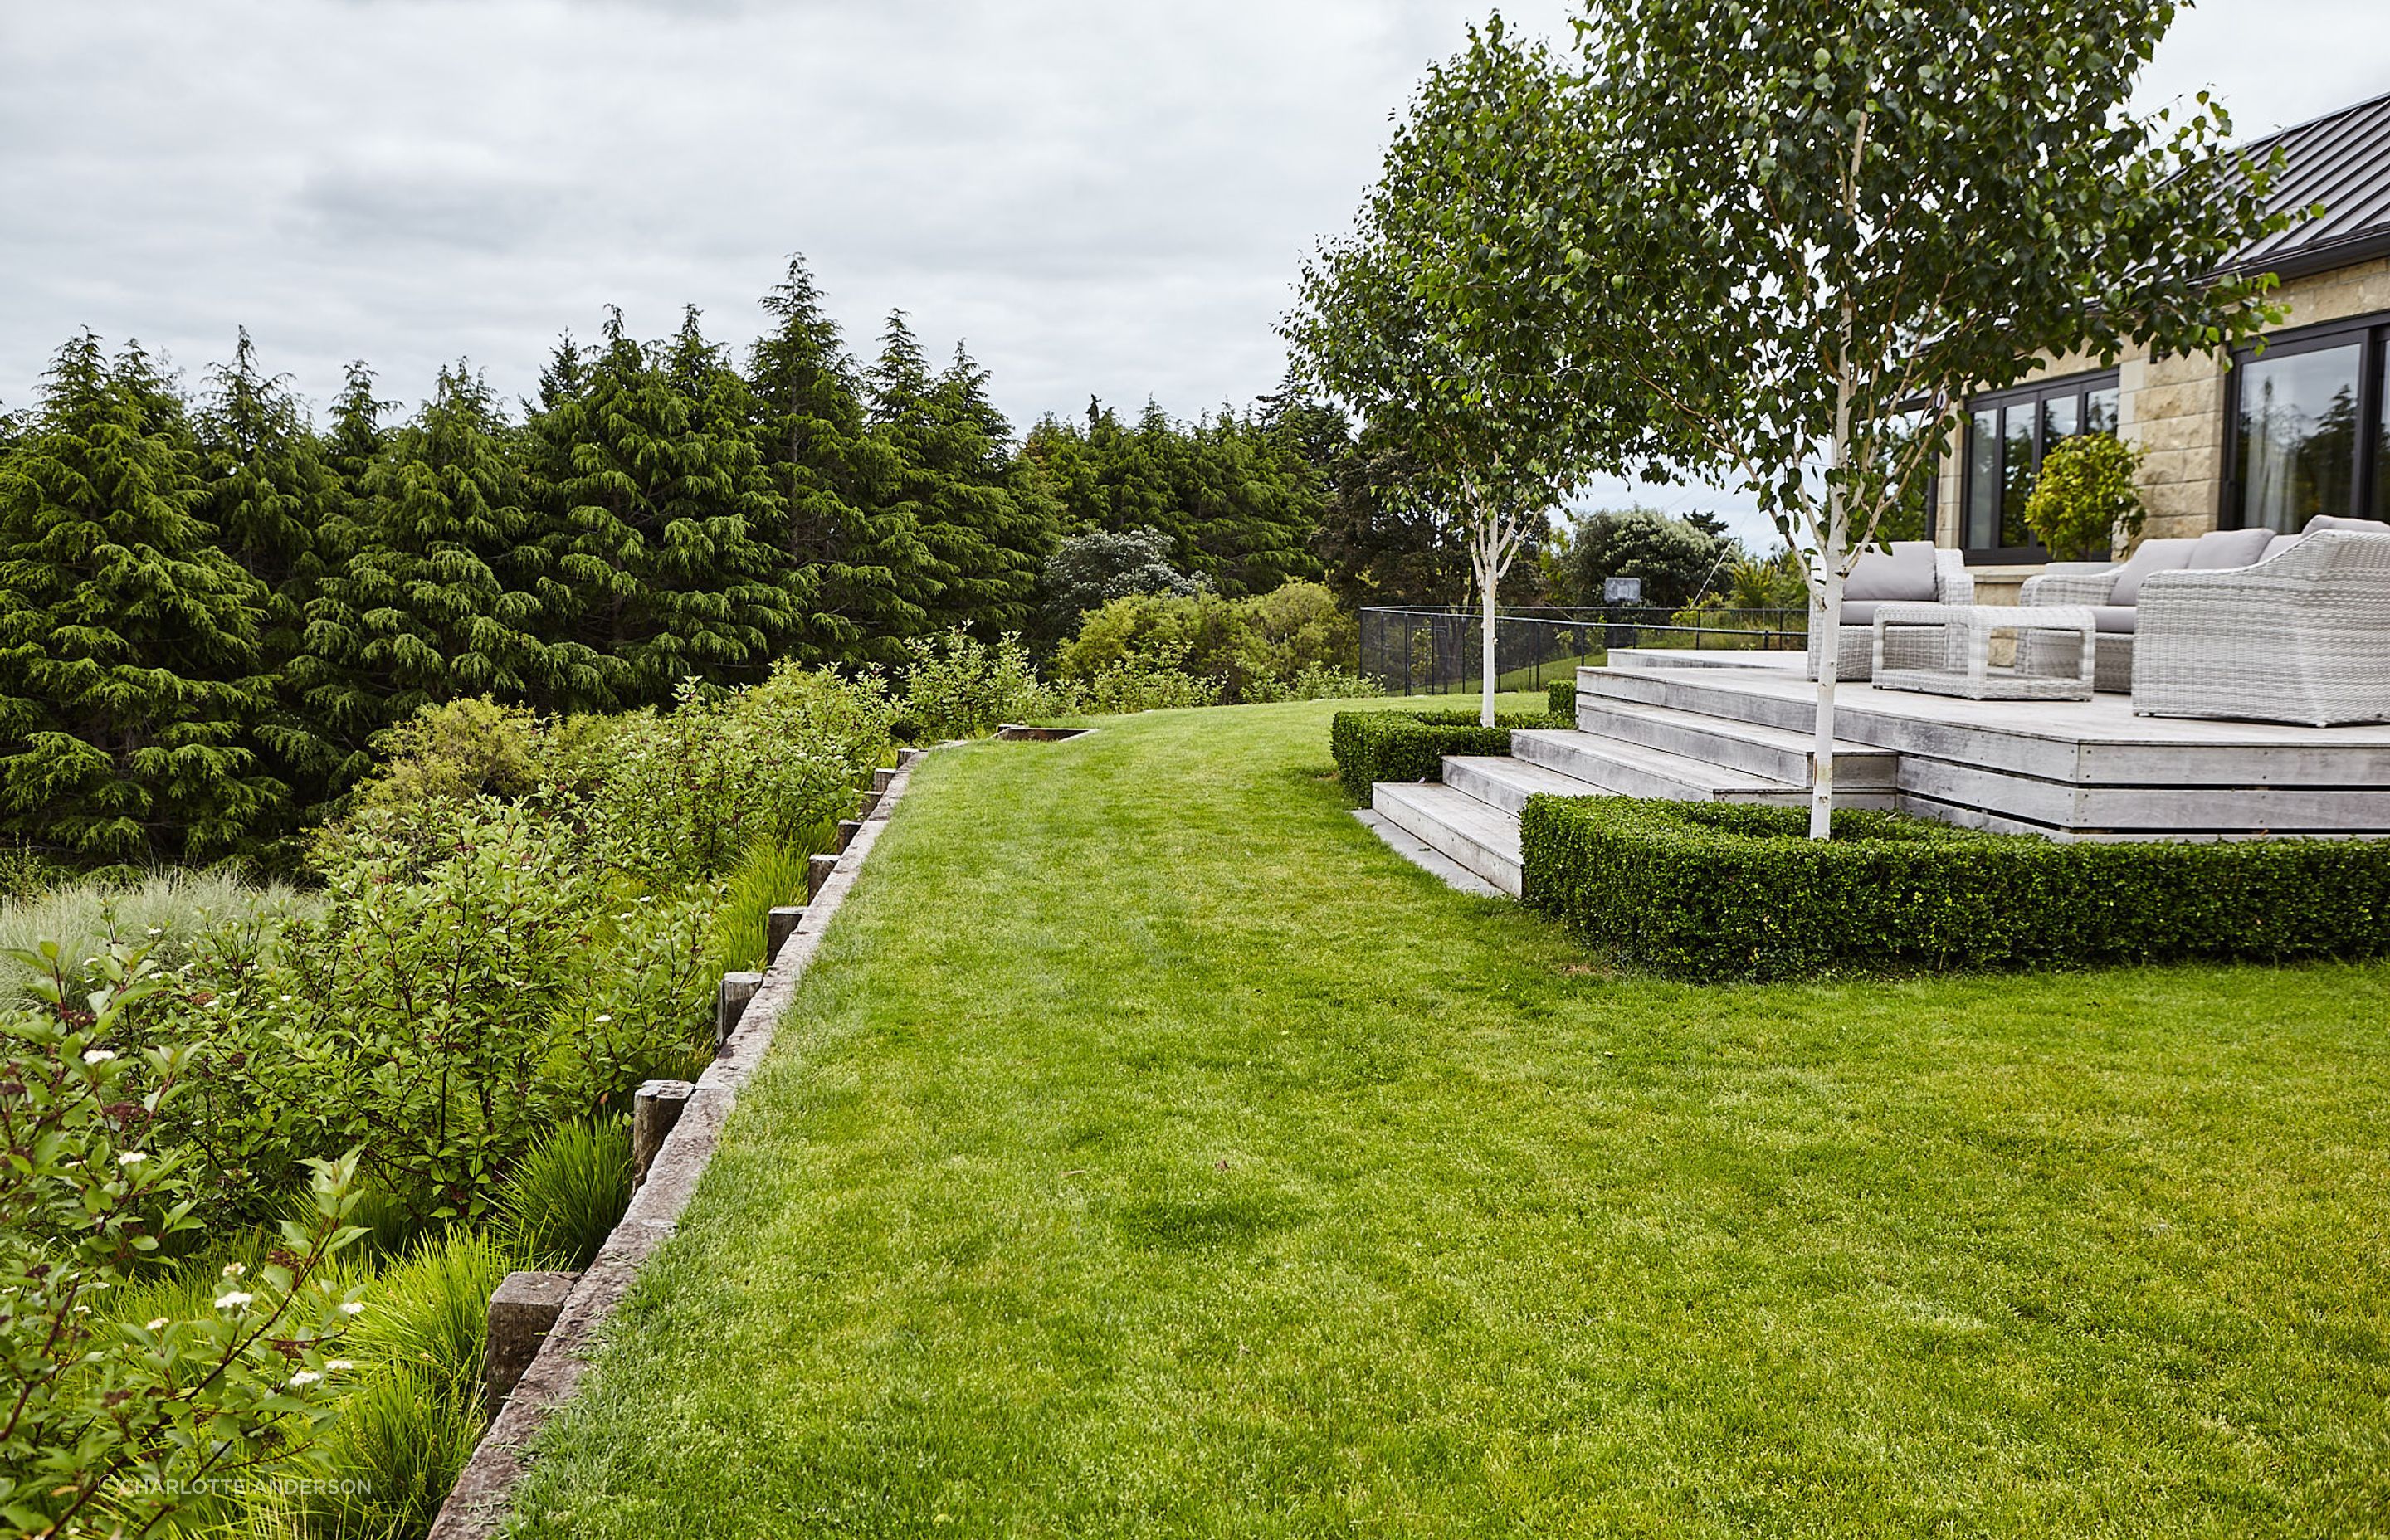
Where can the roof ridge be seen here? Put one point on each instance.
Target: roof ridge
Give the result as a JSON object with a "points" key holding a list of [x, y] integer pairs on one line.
{"points": [[2288, 129]]}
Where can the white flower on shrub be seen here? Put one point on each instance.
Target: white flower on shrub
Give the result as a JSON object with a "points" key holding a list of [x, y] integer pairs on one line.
{"points": [[158, 1325], [132, 1157], [304, 1378], [233, 1269], [353, 1307], [96, 1056], [232, 1299], [338, 1366]]}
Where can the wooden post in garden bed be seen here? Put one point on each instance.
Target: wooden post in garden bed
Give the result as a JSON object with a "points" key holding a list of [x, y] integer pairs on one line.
{"points": [[778, 926], [818, 870], [525, 1306], [655, 1107], [730, 1004]]}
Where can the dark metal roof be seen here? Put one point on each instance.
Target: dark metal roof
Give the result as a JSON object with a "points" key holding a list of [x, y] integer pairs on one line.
{"points": [[2343, 161]]}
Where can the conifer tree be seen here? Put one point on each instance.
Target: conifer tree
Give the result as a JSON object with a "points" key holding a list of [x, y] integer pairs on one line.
{"points": [[437, 601], [663, 542], [130, 674], [273, 502], [355, 439], [984, 528], [849, 545]]}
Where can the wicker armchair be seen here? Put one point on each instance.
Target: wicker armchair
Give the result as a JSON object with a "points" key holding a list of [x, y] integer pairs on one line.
{"points": [[2077, 582], [2303, 637], [1907, 648]]}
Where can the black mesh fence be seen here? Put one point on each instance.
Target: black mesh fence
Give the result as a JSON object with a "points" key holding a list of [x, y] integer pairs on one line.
{"points": [[1420, 651]]}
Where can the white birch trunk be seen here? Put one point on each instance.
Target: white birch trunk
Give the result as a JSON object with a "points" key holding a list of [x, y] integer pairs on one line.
{"points": [[1828, 618], [1831, 564], [1483, 558]]}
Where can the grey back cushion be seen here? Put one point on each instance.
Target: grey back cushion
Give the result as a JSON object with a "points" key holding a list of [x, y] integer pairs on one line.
{"points": [[2334, 521], [1906, 573], [2155, 555], [2230, 548], [2276, 545]]}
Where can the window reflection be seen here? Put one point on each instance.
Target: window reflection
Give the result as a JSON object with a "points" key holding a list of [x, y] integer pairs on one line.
{"points": [[2100, 411], [2298, 437], [2016, 485], [1983, 480], [1911, 515], [2382, 434]]}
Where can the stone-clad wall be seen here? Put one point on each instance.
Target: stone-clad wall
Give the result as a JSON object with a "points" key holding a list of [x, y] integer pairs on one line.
{"points": [[2173, 408]]}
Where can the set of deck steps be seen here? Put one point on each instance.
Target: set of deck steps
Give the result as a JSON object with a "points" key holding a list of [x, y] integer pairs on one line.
{"points": [[1735, 728], [1624, 744]]}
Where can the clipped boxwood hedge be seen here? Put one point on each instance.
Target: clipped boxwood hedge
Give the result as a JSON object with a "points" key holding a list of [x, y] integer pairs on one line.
{"points": [[1562, 695], [1728, 890], [1410, 746]]}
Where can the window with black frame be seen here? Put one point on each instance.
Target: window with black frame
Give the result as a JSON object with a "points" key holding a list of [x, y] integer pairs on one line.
{"points": [[2307, 432], [2008, 433]]}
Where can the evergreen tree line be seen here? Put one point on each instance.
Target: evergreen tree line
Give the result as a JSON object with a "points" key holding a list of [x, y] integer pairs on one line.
{"points": [[210, 608]]}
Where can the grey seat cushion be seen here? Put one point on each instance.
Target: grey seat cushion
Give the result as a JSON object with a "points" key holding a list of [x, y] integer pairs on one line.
{"points": [[2114, 619], [1861, 613], [1907, 574], [2219, 548], [2155, 555], [2334, 521]]}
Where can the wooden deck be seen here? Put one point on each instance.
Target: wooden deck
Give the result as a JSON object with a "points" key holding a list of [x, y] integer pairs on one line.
{"points": [[2076, 769]]}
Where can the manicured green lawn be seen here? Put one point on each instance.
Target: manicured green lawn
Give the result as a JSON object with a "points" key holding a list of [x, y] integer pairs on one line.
{"points": [[1152, 1153]]}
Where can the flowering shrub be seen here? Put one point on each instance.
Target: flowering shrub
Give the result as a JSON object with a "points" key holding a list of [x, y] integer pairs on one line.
{"points": [[442, 1012], [959, 686], [684, 795], [112, 1426]]}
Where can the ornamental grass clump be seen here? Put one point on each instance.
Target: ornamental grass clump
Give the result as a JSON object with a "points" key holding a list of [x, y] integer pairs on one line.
{"points": [[566, 1197]]}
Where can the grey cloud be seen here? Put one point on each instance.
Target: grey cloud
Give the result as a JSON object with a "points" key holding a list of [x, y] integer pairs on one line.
{"points": [[1103, 198]]}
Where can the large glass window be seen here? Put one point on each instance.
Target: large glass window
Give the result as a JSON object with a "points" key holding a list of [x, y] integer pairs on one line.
{"points": [[2007, 436], [2298, 437], [2306, 435]]}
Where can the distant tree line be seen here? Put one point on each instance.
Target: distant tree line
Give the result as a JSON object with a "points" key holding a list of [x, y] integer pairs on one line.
{"points": [[210, 605]]}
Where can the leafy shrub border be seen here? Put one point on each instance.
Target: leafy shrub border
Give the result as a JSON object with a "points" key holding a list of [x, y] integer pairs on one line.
{"points": [[1725, 890], [1562, 694], [1410, 746]]}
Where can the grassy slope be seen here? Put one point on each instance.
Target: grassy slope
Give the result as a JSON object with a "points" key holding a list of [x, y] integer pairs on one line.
{"points": [[1152, 1153]]}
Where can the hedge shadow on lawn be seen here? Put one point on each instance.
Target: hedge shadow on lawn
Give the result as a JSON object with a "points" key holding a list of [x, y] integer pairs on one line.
{"points": [[1720, 890]]}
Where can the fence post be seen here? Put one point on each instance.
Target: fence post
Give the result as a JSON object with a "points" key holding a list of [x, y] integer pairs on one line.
{"points": [[778, 926], [818, 870], [655, 1107], [523, 1312], [730, 1004]]}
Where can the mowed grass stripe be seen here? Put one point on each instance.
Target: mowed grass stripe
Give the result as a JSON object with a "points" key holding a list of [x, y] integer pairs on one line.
{"points": [[1152, 1153]]}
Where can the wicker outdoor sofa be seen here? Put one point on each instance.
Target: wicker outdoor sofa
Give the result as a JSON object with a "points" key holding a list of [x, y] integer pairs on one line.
{"points": [[1908, 571], [2302, 637], [2241, 623]]}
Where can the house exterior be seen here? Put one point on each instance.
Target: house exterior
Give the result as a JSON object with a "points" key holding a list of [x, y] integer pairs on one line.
{"points": [[2269, 438]]}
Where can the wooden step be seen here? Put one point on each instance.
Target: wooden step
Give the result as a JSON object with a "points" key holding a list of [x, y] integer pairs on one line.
{"points": [[1506, 784], [1635, 770], [1778, 753], [1481, 837]]}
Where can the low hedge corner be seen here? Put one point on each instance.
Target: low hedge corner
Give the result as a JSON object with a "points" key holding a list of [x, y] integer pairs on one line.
{"points": [[1410, 746], [1561, 693], [1722, 890]]}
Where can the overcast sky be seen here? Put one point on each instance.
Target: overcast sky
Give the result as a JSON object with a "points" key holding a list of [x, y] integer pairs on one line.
{"points": [[1101, 198]]}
